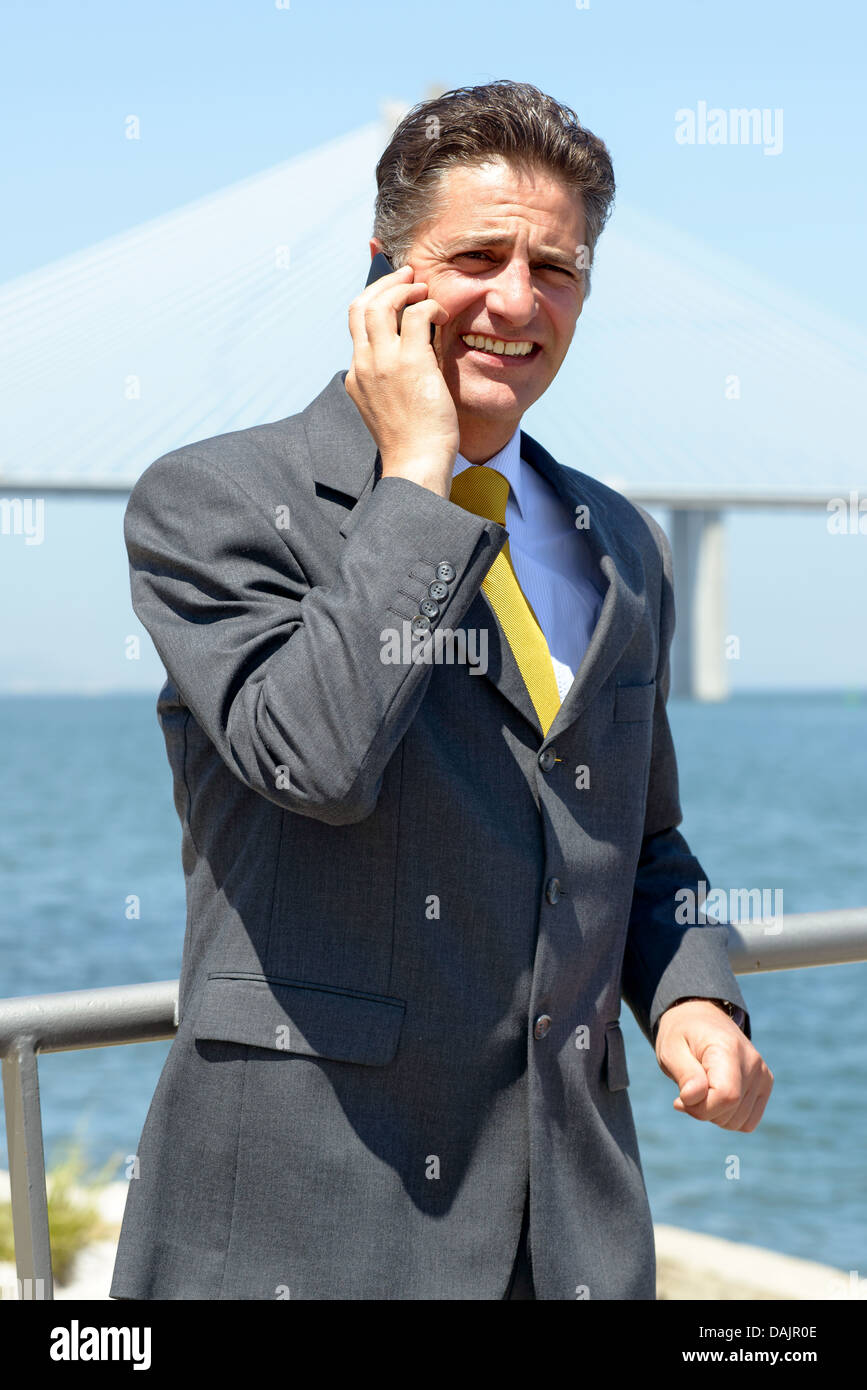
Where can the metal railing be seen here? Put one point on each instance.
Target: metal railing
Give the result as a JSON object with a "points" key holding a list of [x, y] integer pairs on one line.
{"points": [[82, 1018], [37, 1023]]}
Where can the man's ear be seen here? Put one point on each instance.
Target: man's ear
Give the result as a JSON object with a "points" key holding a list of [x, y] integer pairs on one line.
{"points": [[375, 246]]}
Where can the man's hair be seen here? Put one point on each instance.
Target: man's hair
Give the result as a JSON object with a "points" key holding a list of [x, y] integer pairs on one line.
{"points": [[506, 120]]}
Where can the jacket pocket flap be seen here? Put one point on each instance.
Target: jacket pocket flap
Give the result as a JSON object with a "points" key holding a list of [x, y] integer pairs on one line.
{"points": [[634, 702], [294, 1016], [616, 1074]]}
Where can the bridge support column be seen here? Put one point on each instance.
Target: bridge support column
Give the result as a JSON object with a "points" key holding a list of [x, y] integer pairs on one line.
{"points": [[699, 667]]}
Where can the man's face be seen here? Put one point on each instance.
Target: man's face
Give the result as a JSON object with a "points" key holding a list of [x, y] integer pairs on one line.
{"points": [[500, 255]]}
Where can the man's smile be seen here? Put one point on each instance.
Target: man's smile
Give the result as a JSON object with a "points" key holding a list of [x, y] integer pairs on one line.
{"points": [[520, 348]]}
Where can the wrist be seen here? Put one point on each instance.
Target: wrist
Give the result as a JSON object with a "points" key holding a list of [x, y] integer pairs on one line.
{"points": [[432, 470], [734, 1011]]}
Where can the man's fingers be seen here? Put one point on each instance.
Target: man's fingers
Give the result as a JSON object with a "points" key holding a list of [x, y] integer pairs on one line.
{"points": [[416, 322], [694, 1088], [386, 283], [756, 1096], [687, 1072], [741, 1114], [382, 316], [396, 279], [757, 1111], [721, 1095], [714, 1108]]}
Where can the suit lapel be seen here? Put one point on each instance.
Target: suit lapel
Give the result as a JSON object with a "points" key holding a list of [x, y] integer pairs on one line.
{"points": [[345, 458], [343, 452]]}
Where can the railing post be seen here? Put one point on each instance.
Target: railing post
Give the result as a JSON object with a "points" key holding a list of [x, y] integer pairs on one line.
{"points": [[27, 1171]]}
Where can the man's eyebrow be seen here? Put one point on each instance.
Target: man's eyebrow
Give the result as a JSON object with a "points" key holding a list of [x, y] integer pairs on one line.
{"points": [[481, 240]]}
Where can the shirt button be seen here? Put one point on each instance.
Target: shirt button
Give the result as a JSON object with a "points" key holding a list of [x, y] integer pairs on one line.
{"points": [[552, 890], [547, 759], [429, 608], [420, 623], [445, 571], [438, 590], [541, 1026]]}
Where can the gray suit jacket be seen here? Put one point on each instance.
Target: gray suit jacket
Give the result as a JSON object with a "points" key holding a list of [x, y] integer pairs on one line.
{"points": [[410, 920]]}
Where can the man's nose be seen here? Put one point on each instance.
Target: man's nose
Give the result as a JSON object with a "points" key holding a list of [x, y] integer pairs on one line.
{"points": [[510, 294]]}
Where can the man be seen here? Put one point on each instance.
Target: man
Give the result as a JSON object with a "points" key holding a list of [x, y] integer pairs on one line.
{"points": [[419, 887]]}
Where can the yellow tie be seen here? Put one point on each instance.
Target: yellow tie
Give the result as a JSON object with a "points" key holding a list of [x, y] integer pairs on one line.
{"points": [[484, 492]]}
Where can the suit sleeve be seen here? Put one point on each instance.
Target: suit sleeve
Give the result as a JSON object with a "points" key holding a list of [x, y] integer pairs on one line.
{"points": [[666, 959], [287, 680]]}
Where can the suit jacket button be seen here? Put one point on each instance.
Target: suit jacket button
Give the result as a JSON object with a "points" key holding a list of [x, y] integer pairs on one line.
{"points": [[429, 608], [438, 590], [420, 623], [541, 1026], [547, 759], [552, 890], [445, 571]]}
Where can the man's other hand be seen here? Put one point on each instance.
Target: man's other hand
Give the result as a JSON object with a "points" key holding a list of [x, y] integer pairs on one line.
{"points": [[721, 1076]]}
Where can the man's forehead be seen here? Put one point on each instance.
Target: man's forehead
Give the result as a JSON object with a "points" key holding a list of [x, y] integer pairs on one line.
{"points": [[481, 236], [486, 203]]}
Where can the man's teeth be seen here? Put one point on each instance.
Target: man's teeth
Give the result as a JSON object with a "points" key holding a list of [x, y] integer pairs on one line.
{"points": [[497, 345]]}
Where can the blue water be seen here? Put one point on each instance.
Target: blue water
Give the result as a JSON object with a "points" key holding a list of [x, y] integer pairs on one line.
{"points": [[774, 790]]}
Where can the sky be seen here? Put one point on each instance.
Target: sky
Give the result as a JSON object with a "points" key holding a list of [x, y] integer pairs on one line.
{"points": [[223, 91]]}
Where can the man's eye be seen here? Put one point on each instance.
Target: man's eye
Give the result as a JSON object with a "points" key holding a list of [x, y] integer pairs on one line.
{"points": [[483, 255]]}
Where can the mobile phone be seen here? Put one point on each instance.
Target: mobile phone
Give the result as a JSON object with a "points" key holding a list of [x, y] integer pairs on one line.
{"points": [[379, 266]]}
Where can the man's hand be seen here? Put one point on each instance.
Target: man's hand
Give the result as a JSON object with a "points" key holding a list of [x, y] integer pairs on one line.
{"points": [[721, 1076], [396, 383]]}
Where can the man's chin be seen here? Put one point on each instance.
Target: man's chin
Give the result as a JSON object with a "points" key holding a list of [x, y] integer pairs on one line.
{"points": [[477, 392]]}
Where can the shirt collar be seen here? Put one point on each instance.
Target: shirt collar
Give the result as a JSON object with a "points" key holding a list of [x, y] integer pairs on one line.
{"points": [[508, 462]]}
